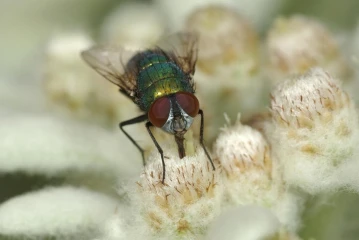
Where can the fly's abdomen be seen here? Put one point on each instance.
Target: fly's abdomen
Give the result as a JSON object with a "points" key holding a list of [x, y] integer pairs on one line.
{"points": [[159, 77]]}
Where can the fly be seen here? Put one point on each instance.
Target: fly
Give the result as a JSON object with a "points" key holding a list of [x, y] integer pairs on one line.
{"points": [[160, 82]]}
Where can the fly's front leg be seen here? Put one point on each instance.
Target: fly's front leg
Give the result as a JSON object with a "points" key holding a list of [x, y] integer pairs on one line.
{"points": [[148, 125], [135, 120], [200, 112]]}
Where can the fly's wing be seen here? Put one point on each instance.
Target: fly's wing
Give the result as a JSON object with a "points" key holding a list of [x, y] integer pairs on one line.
{"points": [[110, 62], [183, 47]]}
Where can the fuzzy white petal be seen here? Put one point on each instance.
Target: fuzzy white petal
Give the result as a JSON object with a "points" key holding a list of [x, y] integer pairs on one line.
{"points": [[43, 144], [245, 223], [114, 228], [61, 211]]}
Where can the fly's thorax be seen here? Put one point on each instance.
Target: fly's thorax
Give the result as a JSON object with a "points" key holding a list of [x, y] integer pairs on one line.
{"points": [[174, 113], [159, 76]]}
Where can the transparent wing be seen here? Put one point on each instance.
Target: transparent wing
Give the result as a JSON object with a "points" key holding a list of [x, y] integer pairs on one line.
{"points": [[110, 62], [184, 49]]}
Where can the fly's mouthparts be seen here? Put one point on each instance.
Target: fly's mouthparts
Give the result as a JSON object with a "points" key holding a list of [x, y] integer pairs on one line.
{"points": [[179, 124]]}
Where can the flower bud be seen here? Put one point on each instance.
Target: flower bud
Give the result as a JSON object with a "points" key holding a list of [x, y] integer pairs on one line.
{"points": [[227, 73], [75, 88], [134, 25], [296, 44], [228, 44], [188, 200], [252, 176], [315, 130]]}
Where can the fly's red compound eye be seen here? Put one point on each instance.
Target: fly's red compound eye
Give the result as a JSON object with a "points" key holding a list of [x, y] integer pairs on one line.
{"points": [[159, 111], [188, 102]]}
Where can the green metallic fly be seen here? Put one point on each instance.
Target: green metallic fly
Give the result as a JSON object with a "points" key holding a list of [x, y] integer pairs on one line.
{"points": [[159, 81]]}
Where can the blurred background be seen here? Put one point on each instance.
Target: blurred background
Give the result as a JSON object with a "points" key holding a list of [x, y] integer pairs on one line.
{"points": [[26, 25]]}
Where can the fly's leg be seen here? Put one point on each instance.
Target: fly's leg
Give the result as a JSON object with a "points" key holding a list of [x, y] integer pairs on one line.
{"points": [[148, 125], [201, 138], [135, 120]]}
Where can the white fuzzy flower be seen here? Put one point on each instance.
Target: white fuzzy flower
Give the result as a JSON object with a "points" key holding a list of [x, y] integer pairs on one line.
{"points": [[248, 223], [296, 44], [133, 25], [226, 40], [315, 130], [227, 69], [66, 75], [52, 146], [252, 176], [177, 12], [184, 205], [72, 213], [114, 228], [260, 11], [70, 83], [245, 158]]}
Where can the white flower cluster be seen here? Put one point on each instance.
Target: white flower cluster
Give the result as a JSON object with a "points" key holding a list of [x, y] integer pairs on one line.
{"points": [[316, 125], [269, 166]]}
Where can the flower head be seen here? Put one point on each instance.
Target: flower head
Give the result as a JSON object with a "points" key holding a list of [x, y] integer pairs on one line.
{"points": [[296, 44], [227, 73], [226, 38], [315, 129], [188, 200], [252, 176], [134, 25]]}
